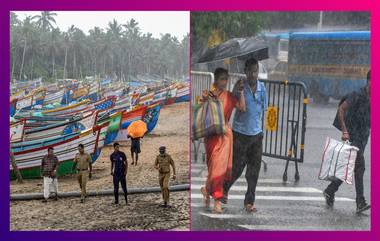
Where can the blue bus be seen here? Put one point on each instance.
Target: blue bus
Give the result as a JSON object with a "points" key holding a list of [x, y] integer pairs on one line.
{"points": [[331, 64]]}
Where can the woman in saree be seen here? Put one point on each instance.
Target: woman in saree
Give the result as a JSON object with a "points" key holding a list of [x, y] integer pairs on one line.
{"points": [[219, 147]]}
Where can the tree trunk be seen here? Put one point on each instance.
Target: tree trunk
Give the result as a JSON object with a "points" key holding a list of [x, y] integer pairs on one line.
{"points": [[75, 66], [13, 64], [53, 74], [64, 66], [95, 67], [31, 70], [23, 59], [104, 66], [53, 61]]}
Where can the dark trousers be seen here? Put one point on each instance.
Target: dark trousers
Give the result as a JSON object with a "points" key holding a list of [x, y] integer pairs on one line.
{"points": [[247, 151], [122, 180], [359, 173]]}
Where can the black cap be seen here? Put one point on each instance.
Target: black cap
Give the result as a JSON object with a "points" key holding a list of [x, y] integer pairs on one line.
{"points": [[162, 148]]}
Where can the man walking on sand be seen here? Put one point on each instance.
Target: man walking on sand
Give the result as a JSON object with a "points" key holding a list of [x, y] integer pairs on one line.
{"points": [[119, 169], [162, 164], [82, 163], [135, 149], [49, 166]]}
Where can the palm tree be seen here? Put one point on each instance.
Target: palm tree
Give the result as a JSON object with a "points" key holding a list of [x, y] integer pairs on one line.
{"points": [[54, 37], [119, 51], [45, 20], [114, 33], [97, 44], [66, 43], [27, 27], [132, 36]]}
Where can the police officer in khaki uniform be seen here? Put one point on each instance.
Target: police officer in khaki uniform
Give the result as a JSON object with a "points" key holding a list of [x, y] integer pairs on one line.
{"points": [[162, 164], [82, 163]]}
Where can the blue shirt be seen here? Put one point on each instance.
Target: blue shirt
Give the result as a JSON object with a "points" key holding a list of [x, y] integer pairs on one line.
{"points": [[250, 122]]}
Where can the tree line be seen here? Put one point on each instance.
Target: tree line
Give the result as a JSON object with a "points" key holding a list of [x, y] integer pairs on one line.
{"points": [[121, 51]]}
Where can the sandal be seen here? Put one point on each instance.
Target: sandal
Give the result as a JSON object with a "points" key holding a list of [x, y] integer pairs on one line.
{"points": [[206, 197], [250, 208], [217, 208]]}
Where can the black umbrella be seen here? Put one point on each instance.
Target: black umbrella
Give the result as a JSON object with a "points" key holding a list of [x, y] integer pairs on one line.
{"points": [[240, 48]]}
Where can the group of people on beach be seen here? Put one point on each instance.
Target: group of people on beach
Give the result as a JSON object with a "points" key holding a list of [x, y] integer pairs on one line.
{"points": [[82, 165], [240, 146]]}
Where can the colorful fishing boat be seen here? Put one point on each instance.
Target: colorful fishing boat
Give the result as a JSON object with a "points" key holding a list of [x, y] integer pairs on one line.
{"points": [[160, 96], [28, 155], [80, 123], [150, 116], [131, 116], [172, 95], [54, 97], [146, 99], [183, 93]]}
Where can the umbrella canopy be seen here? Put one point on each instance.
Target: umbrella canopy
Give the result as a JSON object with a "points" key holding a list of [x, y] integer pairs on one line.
{"points": [[240, 48], [137, 129]]}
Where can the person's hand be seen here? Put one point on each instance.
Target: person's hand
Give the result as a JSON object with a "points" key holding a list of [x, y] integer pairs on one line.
{"points": [[240, 85], [204, 94], [90, 175], [53, 173], [174, 177], [345, 136]]}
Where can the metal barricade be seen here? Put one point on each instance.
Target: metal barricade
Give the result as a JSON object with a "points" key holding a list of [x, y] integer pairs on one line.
{"points": [[199, 81]]}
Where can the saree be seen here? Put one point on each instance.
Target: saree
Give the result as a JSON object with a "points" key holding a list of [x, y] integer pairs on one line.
{"points": [[219, 151]]}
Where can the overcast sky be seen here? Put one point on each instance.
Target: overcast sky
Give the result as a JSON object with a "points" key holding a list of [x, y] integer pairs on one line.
{"points": [[175, 23]]}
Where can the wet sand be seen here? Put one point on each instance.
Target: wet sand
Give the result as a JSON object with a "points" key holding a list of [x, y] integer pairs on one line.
{"points": [[98, 213]]}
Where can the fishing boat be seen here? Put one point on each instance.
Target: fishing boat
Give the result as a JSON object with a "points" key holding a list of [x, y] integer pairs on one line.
{"points": [[148, 114], [83, 106], [160, 96], [172, 95], [80, 123], [28, 155], [54, 97], [16, 131], [131, 116], [183, 93], [146, 99], [151, 117]]}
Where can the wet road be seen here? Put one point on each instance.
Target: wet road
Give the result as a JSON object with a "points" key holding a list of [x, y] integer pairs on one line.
{"points": [[290, 205]]}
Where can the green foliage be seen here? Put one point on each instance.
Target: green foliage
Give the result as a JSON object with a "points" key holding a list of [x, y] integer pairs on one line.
{"points": [[245, 24], [40, 49]]}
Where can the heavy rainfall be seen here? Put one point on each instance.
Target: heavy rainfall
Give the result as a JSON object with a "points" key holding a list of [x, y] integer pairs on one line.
{"points": [[312, 105], [83, 100]]}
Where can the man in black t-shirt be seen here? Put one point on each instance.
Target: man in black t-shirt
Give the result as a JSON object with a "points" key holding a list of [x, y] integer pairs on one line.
{"points": [[119, 168], [353, 119]]}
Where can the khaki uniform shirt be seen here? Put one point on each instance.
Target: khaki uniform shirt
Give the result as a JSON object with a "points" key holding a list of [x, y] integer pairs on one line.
{"points": [[83, 160], [164, 161]]}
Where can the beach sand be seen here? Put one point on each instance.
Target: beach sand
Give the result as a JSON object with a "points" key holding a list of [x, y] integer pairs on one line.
{"points": [[99, 213]]}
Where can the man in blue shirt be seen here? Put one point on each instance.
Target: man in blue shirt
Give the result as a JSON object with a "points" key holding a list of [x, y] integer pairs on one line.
{"points": [[119, 168], [248, 134]]}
